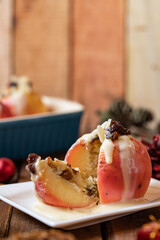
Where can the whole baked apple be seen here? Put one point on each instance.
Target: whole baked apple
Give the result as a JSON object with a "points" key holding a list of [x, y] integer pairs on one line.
{"points": [[127, 175], [120, 162]]}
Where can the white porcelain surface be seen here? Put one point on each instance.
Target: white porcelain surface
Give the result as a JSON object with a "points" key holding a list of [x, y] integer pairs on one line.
{"points": [[59, 106], [22, 197]]}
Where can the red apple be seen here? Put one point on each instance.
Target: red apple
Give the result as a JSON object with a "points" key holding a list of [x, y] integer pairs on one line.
{"points": [[6, 109], [7, 169], [110, 176]]}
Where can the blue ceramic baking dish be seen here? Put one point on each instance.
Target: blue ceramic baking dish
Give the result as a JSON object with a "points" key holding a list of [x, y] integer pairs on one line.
{"points": [[41, 133]]}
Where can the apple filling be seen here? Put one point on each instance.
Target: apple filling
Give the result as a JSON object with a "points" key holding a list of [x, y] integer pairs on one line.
{"points": [[85, 156], [56, 182]]}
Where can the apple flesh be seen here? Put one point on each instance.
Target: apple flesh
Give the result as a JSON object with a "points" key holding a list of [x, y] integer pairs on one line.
{"points": [[84, 156], [110, 180], [7, 169], [57, 184]]}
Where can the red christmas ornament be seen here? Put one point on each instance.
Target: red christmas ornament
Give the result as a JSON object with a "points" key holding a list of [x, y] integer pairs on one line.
{"points": [[7, 169]]}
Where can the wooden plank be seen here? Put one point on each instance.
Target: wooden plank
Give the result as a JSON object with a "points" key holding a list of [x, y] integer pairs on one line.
{"points": [[98, 55], [5, 213], [125, 228], [42, 44], [88, 233], [5, 41], [143, 54], [21, 222]]}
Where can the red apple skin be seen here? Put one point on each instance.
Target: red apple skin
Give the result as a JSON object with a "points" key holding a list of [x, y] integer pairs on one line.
{"points": [[6, 109], [145, 232], [110, 178], [7, 169], [44, 194]]}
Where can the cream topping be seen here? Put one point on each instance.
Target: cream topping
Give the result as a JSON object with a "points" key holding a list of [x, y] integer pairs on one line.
{"points": [[37, 168], [68, 214], [23, 86], [18, 100], [126, 148], [107, 147], [107, 144], [100, 132], [89, 136]]}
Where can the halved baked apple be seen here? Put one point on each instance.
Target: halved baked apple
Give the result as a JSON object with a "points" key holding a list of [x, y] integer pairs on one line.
{"points": [[57, 184]]}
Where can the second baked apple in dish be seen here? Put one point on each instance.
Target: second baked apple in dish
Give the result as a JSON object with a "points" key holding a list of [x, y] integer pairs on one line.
{"points": [[104, 166], [19, 98]]}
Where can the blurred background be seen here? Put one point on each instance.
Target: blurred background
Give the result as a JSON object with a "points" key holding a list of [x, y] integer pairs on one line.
{"points": [[88, 51]]}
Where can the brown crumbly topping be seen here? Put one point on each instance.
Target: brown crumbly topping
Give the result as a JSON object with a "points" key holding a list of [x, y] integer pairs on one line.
{"points": [[115, 130], [32, 158]]}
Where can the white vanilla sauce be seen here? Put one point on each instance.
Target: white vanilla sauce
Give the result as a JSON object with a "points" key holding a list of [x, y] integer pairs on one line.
{"points": [[126, 148], [57, 213], [107, 147], [100, 131]]}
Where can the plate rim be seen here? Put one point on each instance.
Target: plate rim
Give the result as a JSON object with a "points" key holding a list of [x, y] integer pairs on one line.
{"points": [[82, 221]]}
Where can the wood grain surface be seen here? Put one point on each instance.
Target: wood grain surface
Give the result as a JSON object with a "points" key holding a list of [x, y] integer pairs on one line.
{"points": [[6, 9], [89, 51], [71, 49], [41, 48], [143, 54], [124, 228], [98, 56], [5, 213]]}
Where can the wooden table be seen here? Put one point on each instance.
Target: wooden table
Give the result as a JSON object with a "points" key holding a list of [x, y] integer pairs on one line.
{"points": [[124, 228]]}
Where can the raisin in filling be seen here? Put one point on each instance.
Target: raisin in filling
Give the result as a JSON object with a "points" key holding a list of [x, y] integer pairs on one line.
{"points": [[115, 130], [32, 158]]}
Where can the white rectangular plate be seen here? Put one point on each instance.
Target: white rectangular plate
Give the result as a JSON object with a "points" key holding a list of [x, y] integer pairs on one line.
{"points": [[22, 197]]}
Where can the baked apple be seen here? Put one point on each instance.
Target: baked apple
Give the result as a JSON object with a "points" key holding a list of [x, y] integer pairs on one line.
{"points": [[57, 184], [107, 165], [19, 98], [127, 174], [84, 153], [123, 166]]}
